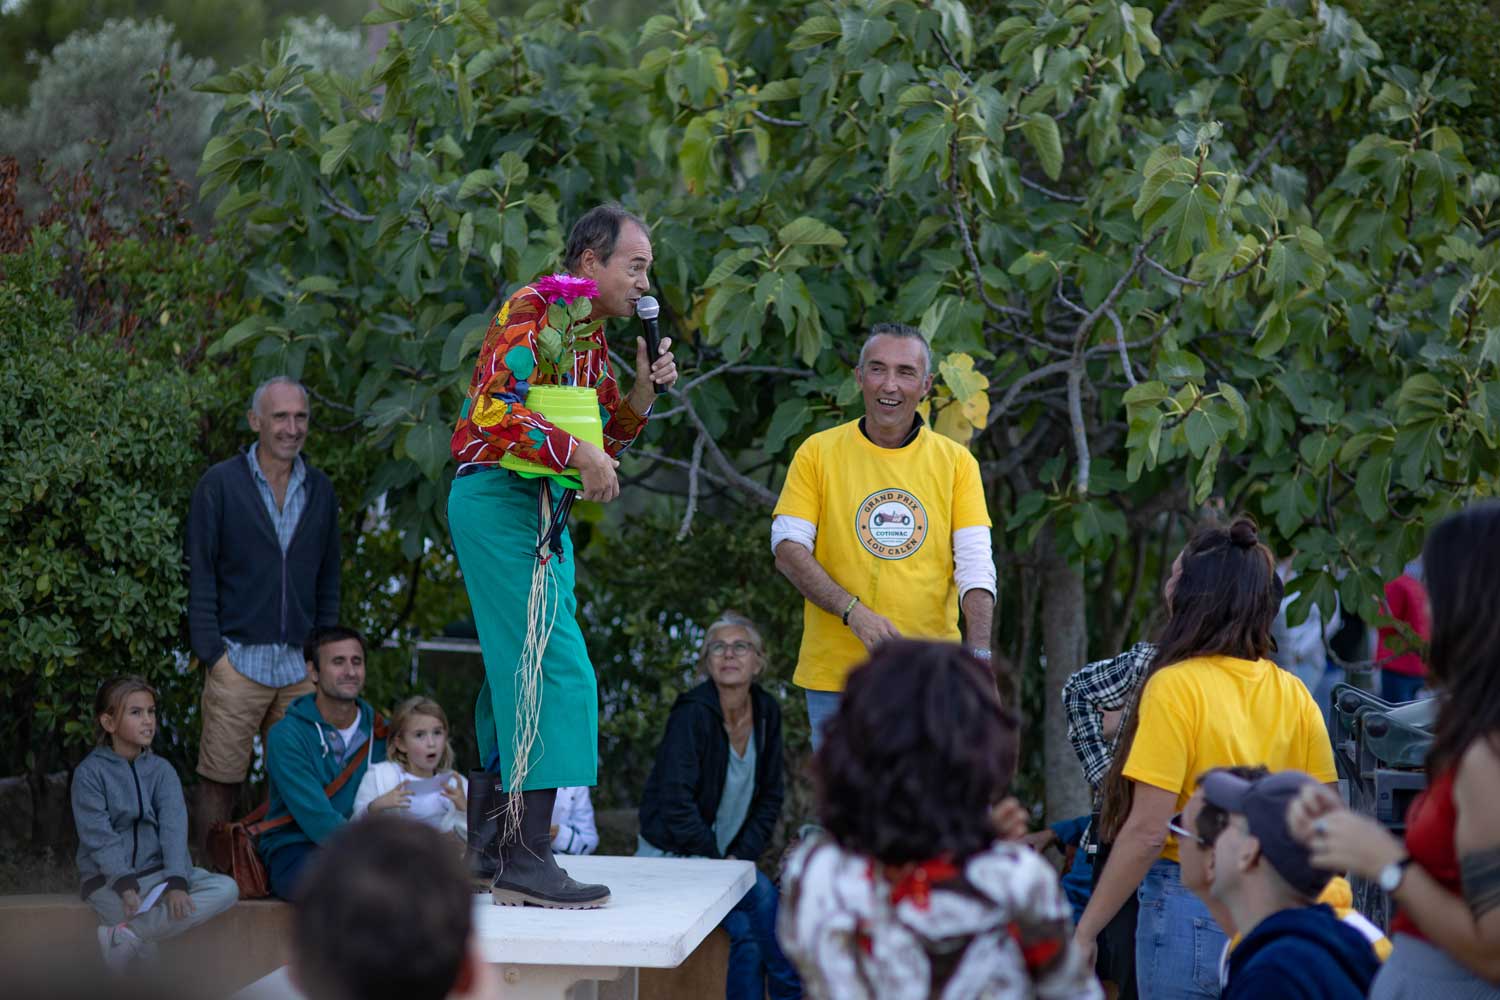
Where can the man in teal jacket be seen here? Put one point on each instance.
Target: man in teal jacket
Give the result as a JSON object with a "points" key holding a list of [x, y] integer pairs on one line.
{"points": [[321, 733]]}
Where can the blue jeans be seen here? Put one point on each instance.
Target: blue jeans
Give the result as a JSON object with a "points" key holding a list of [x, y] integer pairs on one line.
{"points": [[1078, 884], [820, 708], [1177, 941], [1398, 688], [285, 867], [755, 959]]}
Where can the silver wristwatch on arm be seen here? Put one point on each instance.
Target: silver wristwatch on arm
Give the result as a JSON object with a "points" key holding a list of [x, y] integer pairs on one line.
{"points": [[1390, 877]]}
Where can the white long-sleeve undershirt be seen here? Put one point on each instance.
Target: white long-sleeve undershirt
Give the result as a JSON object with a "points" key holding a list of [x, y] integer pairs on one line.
{"points": [[973, 556]]}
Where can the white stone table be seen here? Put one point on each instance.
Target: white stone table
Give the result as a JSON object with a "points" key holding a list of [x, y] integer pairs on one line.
{"points": [[659, 911]]}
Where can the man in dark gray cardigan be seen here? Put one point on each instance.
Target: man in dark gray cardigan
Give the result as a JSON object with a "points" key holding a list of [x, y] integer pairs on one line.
{"points": [[263, 560]]}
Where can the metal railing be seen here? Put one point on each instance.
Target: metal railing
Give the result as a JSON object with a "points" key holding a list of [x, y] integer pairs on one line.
{"points": [[1379, 750]]}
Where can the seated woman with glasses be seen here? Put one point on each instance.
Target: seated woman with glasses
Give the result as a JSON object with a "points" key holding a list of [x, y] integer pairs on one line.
{"points": [[715, 791]]}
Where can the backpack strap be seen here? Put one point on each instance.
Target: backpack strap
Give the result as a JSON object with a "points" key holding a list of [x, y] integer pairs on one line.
{"points": [[255, 823], [345, 774]]}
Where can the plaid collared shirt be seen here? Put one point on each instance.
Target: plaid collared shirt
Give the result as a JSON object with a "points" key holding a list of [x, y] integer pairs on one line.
{"points": [[1104, 685], [274, 664]]}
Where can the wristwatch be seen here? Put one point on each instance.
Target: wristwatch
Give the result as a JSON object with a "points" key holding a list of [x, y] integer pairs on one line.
{"points": [[1391, 875]]}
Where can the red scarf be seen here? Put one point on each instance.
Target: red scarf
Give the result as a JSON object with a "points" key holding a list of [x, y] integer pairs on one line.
{"points": [[915, 881]]}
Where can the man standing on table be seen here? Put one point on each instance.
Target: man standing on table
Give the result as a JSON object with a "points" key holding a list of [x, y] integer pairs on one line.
{"points": [[882, 526], [493, 514]]}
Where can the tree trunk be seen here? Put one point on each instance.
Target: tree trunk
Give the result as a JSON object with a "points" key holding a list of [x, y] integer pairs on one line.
{"points": [[1065, 644]]}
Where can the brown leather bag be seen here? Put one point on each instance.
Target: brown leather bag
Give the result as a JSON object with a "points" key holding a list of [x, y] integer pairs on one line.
{"points": [[231, 846]]}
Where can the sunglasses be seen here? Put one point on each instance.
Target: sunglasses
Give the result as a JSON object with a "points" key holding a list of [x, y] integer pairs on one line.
{"points": [[1175, 827]]}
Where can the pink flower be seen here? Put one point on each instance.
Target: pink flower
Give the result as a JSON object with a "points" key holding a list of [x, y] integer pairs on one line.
{"points": [[566, 287]]}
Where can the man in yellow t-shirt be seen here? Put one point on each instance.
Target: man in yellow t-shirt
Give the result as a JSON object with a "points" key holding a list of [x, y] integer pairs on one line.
{"points": [[882, 527]]}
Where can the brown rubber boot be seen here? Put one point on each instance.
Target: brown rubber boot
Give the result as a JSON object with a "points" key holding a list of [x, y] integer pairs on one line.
{"points": [[486, 800], [528, 874]]}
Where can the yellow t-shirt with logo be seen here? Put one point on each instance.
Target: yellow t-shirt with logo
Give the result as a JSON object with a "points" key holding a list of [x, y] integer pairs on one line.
{"points": [[885, 519], [1218, 711]]}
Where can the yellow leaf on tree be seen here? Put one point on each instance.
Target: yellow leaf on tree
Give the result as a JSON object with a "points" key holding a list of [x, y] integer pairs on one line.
{"points": [[970, 388], [951, 422]]}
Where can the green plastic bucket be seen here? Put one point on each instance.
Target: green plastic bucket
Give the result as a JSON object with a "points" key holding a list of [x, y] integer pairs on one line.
{"points": [[572, 408]]}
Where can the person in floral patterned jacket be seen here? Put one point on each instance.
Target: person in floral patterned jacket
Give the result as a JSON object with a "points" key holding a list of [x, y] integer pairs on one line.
{"points": [[550, 332], [911, 893]]}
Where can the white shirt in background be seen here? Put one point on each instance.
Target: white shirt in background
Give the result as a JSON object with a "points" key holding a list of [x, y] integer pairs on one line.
{"points": [[573, 815]]}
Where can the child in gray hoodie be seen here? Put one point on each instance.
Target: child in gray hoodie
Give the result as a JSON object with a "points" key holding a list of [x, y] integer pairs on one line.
{"points": [[132, 833]]}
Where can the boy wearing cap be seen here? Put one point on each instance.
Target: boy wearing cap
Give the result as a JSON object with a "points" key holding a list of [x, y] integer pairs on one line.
{"points": [[1293, 947]]}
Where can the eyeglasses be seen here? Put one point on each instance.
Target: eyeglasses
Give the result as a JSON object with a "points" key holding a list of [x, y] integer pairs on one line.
{"points": [[740, 647], [1174, 825]]}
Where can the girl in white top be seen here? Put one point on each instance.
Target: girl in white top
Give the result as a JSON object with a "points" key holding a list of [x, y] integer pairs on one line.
{"points": [[417, 777]]}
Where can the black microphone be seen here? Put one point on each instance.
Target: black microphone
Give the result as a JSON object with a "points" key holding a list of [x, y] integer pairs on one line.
{"points": [[647, 309]]}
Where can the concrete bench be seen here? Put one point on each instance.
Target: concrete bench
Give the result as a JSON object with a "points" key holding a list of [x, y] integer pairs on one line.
{"points": [[657, 938], [230, 951]]}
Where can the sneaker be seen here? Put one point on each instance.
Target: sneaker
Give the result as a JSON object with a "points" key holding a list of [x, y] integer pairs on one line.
{"points": [[120, 946]]}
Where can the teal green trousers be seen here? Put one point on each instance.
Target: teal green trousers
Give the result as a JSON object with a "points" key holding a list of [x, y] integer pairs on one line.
{"points": [[493, 517]]}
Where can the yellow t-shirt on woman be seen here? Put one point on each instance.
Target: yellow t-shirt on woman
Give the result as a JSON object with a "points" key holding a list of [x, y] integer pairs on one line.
{"points": [[1218, 711]]}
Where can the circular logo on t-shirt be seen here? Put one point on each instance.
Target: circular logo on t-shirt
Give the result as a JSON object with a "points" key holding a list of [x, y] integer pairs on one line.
{"points": [[891, 524]]}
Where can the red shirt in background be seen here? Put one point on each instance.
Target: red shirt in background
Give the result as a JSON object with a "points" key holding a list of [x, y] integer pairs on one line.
{"points": [[1405, 601]]}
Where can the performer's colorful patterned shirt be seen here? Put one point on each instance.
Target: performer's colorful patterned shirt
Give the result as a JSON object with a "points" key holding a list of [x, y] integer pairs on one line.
{"points": [[494, 419]]}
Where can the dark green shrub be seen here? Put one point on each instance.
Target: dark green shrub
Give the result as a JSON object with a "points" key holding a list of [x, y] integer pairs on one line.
{"points": [[1421, 33], [97, 461]]}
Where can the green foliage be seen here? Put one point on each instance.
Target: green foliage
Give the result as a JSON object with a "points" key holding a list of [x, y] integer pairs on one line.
{"points": [[121, 281], [326, 46], [1420, 33], [224, 33], [1243, 272], [107, 310], [143, 296], [103, 95], [95, 469], [1244, 254]]}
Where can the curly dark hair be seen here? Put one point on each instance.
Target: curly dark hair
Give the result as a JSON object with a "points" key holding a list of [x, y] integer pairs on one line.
{"points": [[916, 754]]}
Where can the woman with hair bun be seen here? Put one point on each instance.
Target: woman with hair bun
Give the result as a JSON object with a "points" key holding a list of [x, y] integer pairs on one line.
{"points": [[910, 894], [1211, 699]]}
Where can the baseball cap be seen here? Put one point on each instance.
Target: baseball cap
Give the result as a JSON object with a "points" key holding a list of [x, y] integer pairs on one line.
{"points": [[1264, 803]]}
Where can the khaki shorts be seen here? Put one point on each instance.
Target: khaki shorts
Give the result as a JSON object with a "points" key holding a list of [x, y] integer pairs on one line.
{"points": [[234, 709]]}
